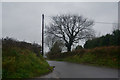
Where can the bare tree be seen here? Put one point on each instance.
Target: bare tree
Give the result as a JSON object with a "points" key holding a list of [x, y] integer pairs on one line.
{"points": [[50, 40], [70, 29]]}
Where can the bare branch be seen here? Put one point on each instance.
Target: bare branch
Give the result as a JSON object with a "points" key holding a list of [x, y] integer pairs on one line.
{"points": [[70, 28]]}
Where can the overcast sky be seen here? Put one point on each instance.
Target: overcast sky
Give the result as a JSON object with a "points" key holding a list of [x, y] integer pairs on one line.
{"points": [[0, 20], [22, 20]]}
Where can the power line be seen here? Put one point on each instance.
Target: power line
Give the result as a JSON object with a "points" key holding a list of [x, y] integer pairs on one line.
{"points": [[105, 23], [94, 22]]}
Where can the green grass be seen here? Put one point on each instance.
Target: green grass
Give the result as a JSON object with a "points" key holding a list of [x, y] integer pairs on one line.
{"points": [[22, 63], [88, 60], [102, 56]]}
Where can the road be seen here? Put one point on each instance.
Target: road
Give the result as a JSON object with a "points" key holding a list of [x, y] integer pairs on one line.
{"points": [[72, 70]]}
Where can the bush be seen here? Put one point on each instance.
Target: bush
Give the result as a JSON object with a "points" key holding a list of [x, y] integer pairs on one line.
{"points": [[78, 47]]}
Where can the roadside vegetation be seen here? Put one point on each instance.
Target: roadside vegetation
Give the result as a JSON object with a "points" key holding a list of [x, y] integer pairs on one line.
{"points": [[106, 40], [104, 56], [22, 60], [101, 51], [100, 56]]}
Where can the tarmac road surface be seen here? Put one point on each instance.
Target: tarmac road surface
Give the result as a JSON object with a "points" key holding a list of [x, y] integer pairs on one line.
{"points": [[73, 70]]}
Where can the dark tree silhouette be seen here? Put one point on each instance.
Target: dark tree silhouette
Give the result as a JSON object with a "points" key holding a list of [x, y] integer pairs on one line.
{"points": [[56, 48], [70, 29], [106, 40]]}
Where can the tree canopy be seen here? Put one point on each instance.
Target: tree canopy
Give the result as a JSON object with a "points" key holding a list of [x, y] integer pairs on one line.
{"points": [[107, 40]]}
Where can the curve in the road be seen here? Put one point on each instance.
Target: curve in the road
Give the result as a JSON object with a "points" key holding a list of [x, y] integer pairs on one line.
{"points": [[72, 70]]}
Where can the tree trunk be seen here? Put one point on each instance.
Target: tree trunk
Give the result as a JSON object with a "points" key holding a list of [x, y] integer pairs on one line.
{"points": [[68, 48]]}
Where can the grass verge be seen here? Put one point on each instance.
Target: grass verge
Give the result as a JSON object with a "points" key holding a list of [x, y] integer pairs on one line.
{"points": [[22, 63], [101, 56]]}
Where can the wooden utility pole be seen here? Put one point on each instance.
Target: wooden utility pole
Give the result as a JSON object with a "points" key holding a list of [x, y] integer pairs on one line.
{"points": [[42, 34]]}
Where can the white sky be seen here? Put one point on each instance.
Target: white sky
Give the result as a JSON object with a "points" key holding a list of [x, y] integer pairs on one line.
{"points": [[22, 20]]}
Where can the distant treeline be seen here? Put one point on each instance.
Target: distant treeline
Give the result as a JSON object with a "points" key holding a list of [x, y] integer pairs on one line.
{"points": [[107, 40], [10, 42]]}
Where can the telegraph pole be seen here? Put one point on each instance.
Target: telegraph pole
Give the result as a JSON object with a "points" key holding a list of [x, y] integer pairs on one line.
{"points": [[42, 34]]}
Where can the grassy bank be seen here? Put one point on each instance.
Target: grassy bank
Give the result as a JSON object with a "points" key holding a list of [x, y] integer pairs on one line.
{"points": [[102, 56], [19, 60], [23, 63]]}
